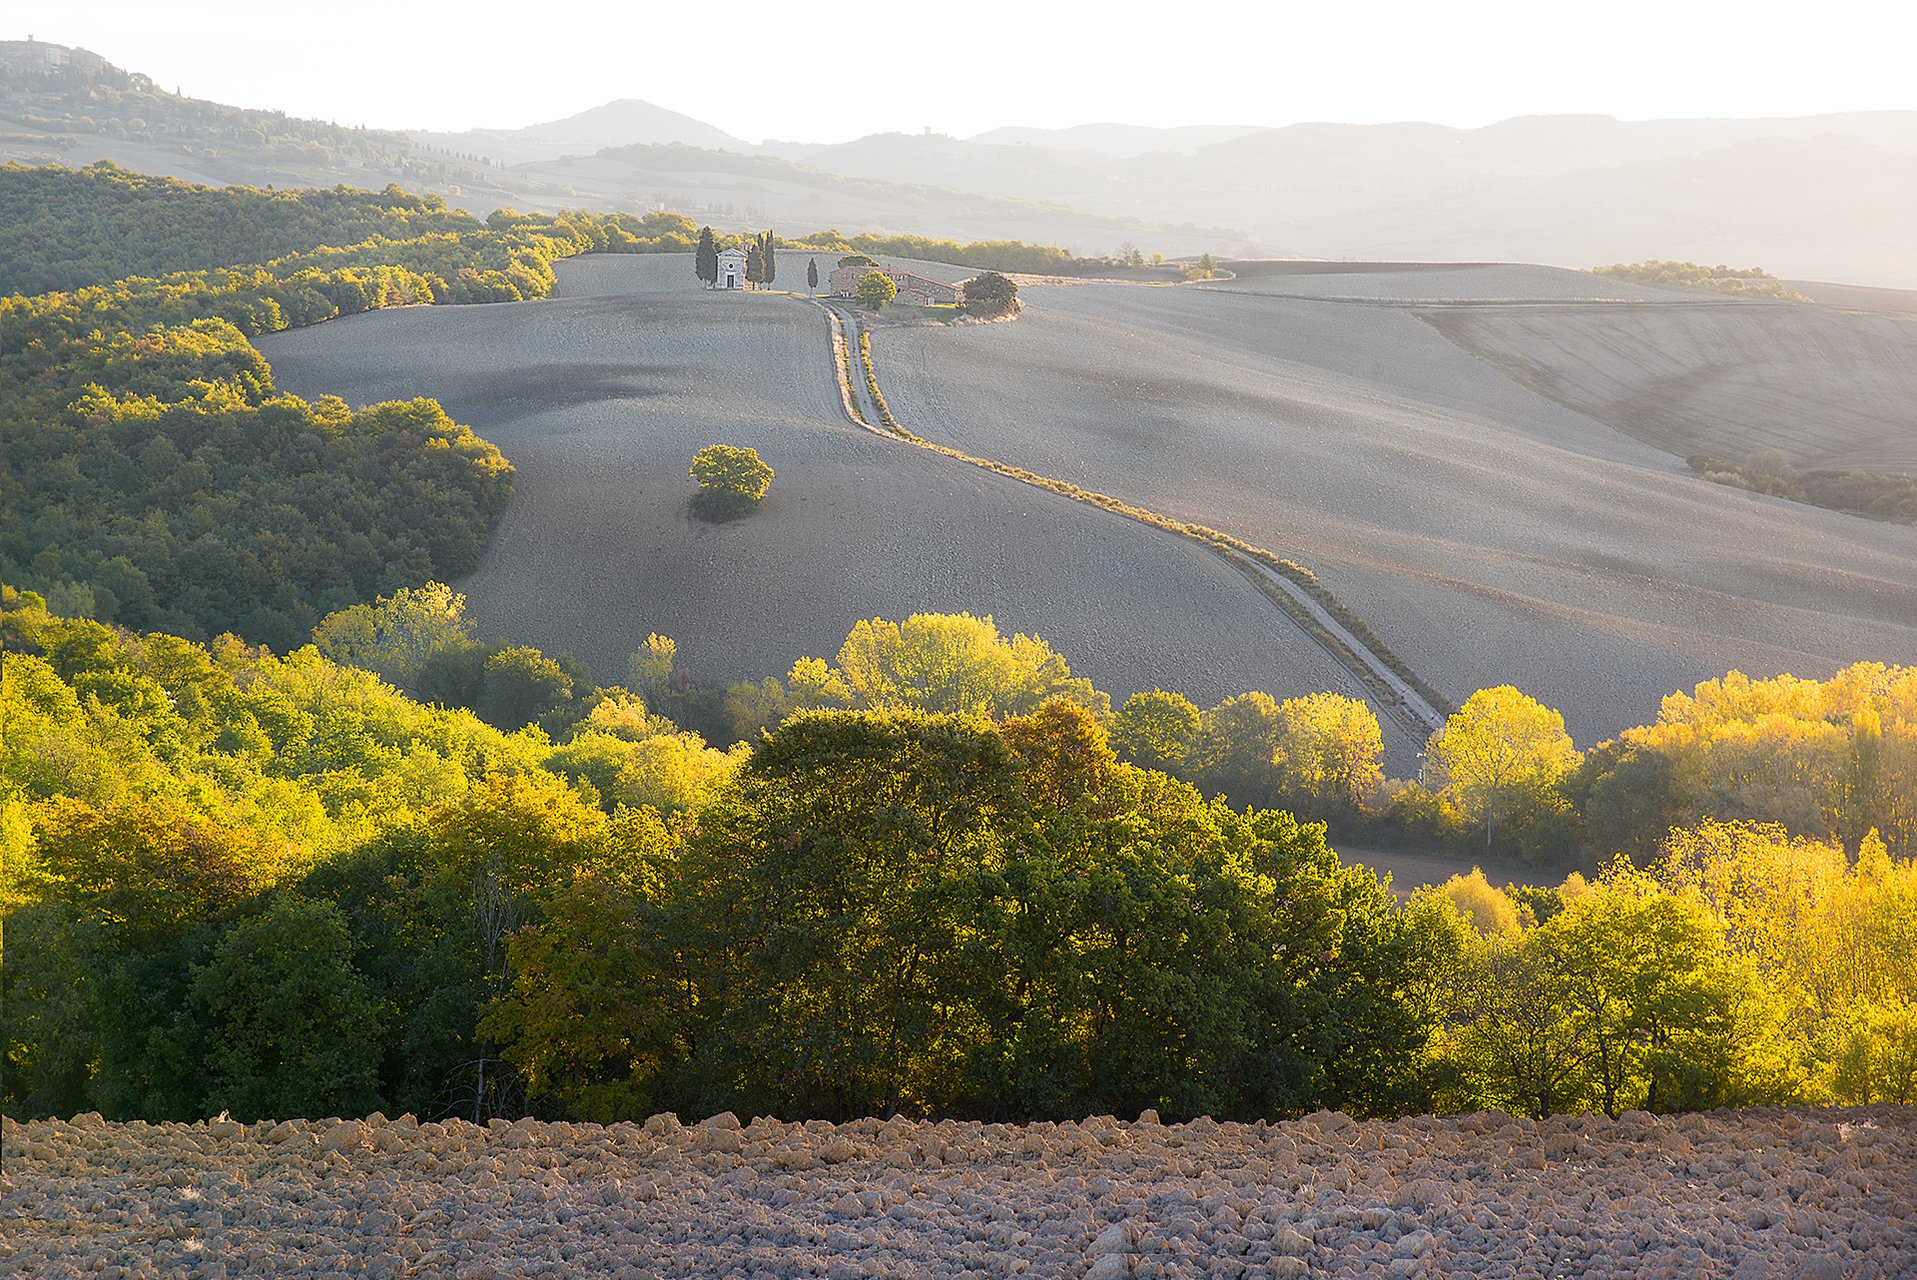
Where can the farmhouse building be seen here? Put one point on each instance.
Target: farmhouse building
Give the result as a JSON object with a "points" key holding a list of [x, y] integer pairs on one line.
{"points": [[914, 290], [732, 264]]}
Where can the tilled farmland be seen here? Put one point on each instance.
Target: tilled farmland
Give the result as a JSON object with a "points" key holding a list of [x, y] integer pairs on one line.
{"points": [[1489, 534], [600, 400], [1803, 1193]]}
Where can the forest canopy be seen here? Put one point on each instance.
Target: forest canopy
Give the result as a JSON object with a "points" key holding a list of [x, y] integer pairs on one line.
{"points": [[568, 905]]}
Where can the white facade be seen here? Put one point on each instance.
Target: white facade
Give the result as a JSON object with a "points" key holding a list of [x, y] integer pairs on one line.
{"points": [[732, 264]]}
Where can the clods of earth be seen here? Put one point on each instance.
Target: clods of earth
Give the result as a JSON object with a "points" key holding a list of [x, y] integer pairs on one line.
{"points": [[1736, 1195]]}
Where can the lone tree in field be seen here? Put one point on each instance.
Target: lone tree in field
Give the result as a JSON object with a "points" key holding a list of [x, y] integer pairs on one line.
{"points": [[731, 481], [876, 289], [990, 295], [705, 260], [812, 276]]}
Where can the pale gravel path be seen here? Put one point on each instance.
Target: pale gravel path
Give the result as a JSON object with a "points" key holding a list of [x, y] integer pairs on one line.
{"points": [[1733, 1195]]}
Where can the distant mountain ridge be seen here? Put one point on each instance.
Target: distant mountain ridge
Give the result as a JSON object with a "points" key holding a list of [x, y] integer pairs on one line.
{"points": [[1121, 141], [623, 123], [1825, 197]]}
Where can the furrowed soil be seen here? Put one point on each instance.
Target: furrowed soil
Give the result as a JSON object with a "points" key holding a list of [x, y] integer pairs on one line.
{"points": [[601, 396], [1489, 534], [1803, 1193]]}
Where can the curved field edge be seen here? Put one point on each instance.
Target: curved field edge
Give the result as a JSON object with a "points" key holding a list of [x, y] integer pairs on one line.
{"points": [[1236, 551]]}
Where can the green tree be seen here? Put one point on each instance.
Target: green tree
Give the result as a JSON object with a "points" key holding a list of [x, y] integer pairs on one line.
{"points": [[522, 687], [705, 259], [834, 891], [1236, 748], [397, 634], [597, 1017], [768, 258], [875, 290], [812, 275], [755, 263], [989, 295], [289, 1028], [731, 479], [1154, 730], [1503, 752], [1519, 1043]]}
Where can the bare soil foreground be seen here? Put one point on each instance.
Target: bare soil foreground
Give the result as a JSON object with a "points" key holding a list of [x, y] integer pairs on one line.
{"points": [[1804, 1193]]}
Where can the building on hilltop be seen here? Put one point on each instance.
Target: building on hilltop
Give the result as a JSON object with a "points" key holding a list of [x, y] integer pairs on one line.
{"points": [[732, 273], [38, 57], [914, 290]]}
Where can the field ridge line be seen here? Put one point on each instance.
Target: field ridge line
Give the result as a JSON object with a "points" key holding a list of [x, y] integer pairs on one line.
{"points": [[1310, 605]]}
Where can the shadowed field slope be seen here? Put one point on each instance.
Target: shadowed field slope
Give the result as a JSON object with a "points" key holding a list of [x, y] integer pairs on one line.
{"points": [[601, 400], [1828, 388], [1488, 534]]}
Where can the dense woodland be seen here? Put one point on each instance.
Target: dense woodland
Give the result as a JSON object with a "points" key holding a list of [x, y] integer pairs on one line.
{"points": [[283, 886], [235, 144], [70, 228], [151, 474]]}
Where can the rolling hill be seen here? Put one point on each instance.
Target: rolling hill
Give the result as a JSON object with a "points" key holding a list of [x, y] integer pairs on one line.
{"points": [[601, 396], [1489, 534]]}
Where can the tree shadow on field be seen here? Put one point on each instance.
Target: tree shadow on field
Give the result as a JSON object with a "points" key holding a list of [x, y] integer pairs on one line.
{"points": [[717, 507]]}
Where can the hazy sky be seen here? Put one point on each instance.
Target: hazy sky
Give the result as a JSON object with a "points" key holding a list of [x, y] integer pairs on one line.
{"points": [[962, 68]]}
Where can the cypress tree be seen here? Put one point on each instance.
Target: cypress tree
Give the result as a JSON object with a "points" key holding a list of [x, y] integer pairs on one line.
{"points": [[812, 274], [705, 262], [755, 264], [768, 259]]}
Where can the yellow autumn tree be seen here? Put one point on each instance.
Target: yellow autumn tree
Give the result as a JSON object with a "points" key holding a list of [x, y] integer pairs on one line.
{"points": [[1502, 754]]}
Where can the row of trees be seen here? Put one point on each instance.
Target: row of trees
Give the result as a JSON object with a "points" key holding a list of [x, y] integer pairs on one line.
{"points": [[1828, 761], [1881, 495], [281, 886]]}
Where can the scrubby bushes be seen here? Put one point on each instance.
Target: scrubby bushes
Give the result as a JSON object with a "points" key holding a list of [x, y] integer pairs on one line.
{"points": [[990, 295], [1877, 494], [1747, 282]]}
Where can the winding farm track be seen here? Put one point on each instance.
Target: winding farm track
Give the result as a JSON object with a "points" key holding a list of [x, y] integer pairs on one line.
{"points": [[600, 396], [1391, 691]]}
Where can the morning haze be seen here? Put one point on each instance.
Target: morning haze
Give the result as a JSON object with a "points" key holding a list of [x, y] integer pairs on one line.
{"points": [[1385, 651]]}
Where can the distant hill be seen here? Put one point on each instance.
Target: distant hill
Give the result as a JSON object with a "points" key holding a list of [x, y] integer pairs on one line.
{"points": [[1818, 197], [62, 106], [1119, 140], [617, 124], [65, 106]]}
